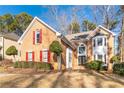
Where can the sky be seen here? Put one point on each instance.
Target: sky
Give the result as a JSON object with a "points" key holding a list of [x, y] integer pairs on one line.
{"points": [[43, 12]]}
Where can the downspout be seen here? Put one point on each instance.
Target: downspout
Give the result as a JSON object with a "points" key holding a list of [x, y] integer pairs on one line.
{"points": [[3, 47]]}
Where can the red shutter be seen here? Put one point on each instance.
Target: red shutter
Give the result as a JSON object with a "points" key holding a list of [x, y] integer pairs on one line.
{"points": [[32, 56], [48, 56], [33, 37], [40, 36], [41, 56], [26, 56]]}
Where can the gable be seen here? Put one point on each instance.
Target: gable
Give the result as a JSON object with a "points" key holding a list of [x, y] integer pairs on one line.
{"points": [[48, 32], [102, 30], [34, 21]]}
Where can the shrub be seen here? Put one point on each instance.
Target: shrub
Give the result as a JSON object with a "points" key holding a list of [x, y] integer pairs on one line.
{"points": [[11, 51], [1, 57], [31, 64], [43, 65], [25, 64], [118, 68], [20, 65], [47, 66], [115, 59], [15, 65], [36, 65], [55, 47], [95, 65]]}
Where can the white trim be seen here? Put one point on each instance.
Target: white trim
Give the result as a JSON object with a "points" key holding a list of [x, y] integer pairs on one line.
{"points": [[36, 18], [31, 55], [81, 54], [96, 55], [107, 30], [85, 49], [67, 58], [103, 40], [99, 27], [44, 50]]}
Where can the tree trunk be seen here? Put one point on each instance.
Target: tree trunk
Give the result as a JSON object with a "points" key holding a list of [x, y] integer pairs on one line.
{"points": [[14, 59], [59, 62], [110, 67]]}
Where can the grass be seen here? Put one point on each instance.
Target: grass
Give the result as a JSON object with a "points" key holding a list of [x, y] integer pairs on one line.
{"points": [[73, 79]]}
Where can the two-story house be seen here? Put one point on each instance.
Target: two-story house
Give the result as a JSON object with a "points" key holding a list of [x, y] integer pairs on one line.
{"points": [[77, 48]]}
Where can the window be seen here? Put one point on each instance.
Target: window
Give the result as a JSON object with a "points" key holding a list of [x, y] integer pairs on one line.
{"points": [[94, 57], [99, 41], [45, 56], [70, 57], [105, 58], [37, 36], [100, 57], [94, 43], [30, 56], [105, 41], [81, 49]]}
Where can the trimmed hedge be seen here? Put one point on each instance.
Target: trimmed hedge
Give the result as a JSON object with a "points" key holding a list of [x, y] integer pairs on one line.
{"points": [[36, 65], [118, 68], [95, 65]]}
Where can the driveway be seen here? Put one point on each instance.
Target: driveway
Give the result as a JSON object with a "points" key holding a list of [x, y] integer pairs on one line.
{"points": [[74, 79]]}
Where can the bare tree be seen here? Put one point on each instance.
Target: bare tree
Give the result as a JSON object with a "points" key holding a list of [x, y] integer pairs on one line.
{"points": [[107, 14], [58, 17], [62, 19]]}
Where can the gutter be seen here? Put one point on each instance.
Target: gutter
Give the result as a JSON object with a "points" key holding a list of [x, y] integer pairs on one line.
{"points": [[59, 35]]}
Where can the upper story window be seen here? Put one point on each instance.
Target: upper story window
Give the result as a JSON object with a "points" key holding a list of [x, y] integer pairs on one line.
{"points": [[99, 41], [105, 41], [37, 35]]}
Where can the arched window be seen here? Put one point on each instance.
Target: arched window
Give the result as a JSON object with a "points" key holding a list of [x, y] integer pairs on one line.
{"points": [[81, 54], [81, 49]]}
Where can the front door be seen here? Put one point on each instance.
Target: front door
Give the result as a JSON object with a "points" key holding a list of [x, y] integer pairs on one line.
{"points": [[81, 60], [68, 58]]}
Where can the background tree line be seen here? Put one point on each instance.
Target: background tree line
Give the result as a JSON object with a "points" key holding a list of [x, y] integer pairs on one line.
{"points": [[106, 15], [14, 23], [74, 22]]}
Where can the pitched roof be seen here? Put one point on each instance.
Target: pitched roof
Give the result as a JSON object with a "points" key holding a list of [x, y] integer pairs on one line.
{"points": [[12, 36], [41, 21], [87, 35], [52, 29], [82, 34]]}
